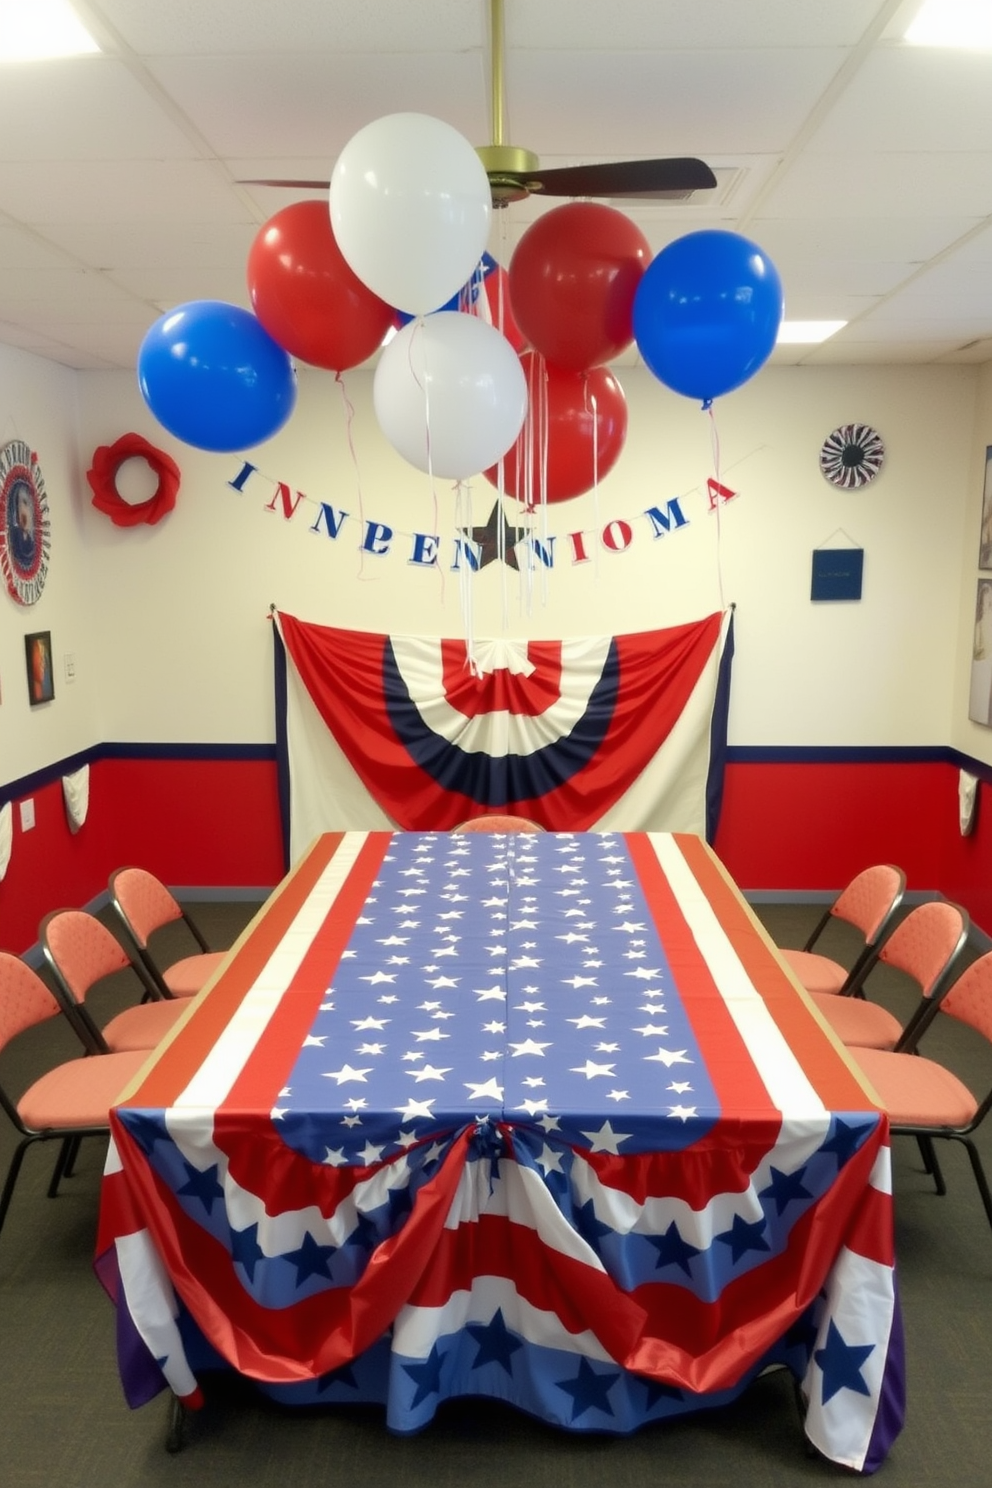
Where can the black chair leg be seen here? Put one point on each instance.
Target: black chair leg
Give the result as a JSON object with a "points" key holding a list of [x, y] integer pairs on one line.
{"points": [[176, 1432], [980, 1178], [74, 1145], [931, 1164], [61, 1165], [11, 1179]]}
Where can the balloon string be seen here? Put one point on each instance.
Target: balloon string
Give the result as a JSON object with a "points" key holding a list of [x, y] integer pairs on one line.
{"points": [[349, 419], [595, 477], [425, 386], [715, 447], [466, 583]]}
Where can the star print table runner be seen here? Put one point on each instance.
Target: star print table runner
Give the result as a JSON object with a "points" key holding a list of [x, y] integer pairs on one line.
{"points": [[536, 1117]]}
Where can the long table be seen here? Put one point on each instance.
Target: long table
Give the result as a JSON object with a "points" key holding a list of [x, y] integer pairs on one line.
{"points": [[537, 1117]]}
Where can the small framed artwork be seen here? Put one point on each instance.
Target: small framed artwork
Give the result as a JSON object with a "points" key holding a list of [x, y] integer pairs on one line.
{"points": [[980, 691], [985, 541], [838, 573], [41, 673]]}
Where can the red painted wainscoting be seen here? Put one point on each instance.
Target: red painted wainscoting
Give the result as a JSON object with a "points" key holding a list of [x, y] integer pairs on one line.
{"points": [[794, 826], [786, 827], [193, 822]]}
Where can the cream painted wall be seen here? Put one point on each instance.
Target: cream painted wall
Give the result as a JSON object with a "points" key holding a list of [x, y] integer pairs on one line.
{"points": [[169, 622], [972, 738], [38, 405]]}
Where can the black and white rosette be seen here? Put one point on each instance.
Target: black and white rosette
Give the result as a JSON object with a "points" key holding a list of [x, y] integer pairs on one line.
{"points": [[852, 456]]}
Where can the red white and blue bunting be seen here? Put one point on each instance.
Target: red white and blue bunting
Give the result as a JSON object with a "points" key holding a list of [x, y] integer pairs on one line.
{"points": [[624, 732]]}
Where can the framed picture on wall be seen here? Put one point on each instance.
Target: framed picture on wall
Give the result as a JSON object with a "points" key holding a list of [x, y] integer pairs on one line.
{"points": [[980, 691], [985, 542], [41, 674]]}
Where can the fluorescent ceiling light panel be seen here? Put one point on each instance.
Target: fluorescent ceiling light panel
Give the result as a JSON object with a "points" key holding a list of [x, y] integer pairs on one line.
{"points": [[36, 30], [807, 332], [952, 23]]}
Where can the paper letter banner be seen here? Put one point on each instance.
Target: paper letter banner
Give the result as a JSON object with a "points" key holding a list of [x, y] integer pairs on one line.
{"points": [[622, 732]]}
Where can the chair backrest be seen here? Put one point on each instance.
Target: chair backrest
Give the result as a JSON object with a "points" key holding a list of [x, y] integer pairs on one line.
{"points": [[80, 950], [970, 997], [498, 822], [24, 998], [927, 943], [143, 903], [926, 946], [24, 1002], [871, 899]]}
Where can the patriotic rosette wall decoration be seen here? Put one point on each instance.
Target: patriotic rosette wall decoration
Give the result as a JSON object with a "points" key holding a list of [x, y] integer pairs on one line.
{"points": [[614, 731], [540, 1118]]}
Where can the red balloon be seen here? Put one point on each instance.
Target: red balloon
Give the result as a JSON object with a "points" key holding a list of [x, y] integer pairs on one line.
{"points": [[573, 279], [572, 436], [307, 297]]}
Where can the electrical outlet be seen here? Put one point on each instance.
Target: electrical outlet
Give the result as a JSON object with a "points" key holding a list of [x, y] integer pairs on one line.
{"points": [[27, 814], [69, 666]]}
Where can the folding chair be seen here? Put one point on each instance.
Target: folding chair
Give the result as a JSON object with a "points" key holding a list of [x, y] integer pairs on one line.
{"points": [[70, 1101], [144, 906], [81, 953], [925, 946], [868, 904], [498, 822], [926, 1100]]}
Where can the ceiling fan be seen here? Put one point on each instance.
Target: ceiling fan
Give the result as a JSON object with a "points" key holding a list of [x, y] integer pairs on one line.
{"points": [[515, 173]]}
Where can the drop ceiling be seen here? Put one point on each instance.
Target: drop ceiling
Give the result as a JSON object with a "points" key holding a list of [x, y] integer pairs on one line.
{"points": [[861, 165]]}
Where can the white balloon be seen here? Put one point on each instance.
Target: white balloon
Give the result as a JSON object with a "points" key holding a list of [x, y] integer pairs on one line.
{"points": [[450, 394], [410, 208]]}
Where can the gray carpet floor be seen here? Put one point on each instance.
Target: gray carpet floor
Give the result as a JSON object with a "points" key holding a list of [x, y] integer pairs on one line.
{"points": [[64, 1420]]}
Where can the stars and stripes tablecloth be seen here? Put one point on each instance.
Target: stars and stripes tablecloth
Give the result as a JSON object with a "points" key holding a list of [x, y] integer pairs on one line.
{"points": [[538, 1117]]}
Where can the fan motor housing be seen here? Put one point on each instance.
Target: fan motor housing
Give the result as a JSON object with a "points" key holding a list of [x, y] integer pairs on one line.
{"points": [[508, 167]]}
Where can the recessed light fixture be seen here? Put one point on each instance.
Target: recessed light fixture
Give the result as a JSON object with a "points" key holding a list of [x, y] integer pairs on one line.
{"points": [[798, 332], [38, 30], [951, 23]]}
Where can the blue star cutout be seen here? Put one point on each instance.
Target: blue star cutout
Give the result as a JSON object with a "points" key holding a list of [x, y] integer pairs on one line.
{"points": [[656, 1391], [589, 1390], [742, 1237], [310, 1259], [841, 1364], [400, 1202], [496, 1343], [673, 1250], [147, 1128], [802, 1334], [589, 1227], [426, 1376], [345, 1375], [245, 1249], [785, 1189], [203, 1186], [365, 1234], [846, 1138]]}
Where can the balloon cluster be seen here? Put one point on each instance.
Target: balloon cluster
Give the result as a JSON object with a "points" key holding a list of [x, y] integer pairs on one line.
{"points": [[518, 387], [572, 283]]}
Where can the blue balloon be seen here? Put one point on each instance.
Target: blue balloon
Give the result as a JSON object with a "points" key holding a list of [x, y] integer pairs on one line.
{"points": [[707, 312], [214, 377]]}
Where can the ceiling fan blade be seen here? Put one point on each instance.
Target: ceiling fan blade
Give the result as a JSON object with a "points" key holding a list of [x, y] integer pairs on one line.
{"points": [[294, 185], [661, 179]]}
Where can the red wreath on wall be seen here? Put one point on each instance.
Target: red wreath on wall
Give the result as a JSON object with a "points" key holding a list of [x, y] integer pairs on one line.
{"points": [[102, 476]]}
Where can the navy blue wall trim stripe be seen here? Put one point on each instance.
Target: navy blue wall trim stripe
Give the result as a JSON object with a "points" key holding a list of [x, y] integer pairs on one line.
{"points": [[14, 790], [737, 754], [841, 754]]}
